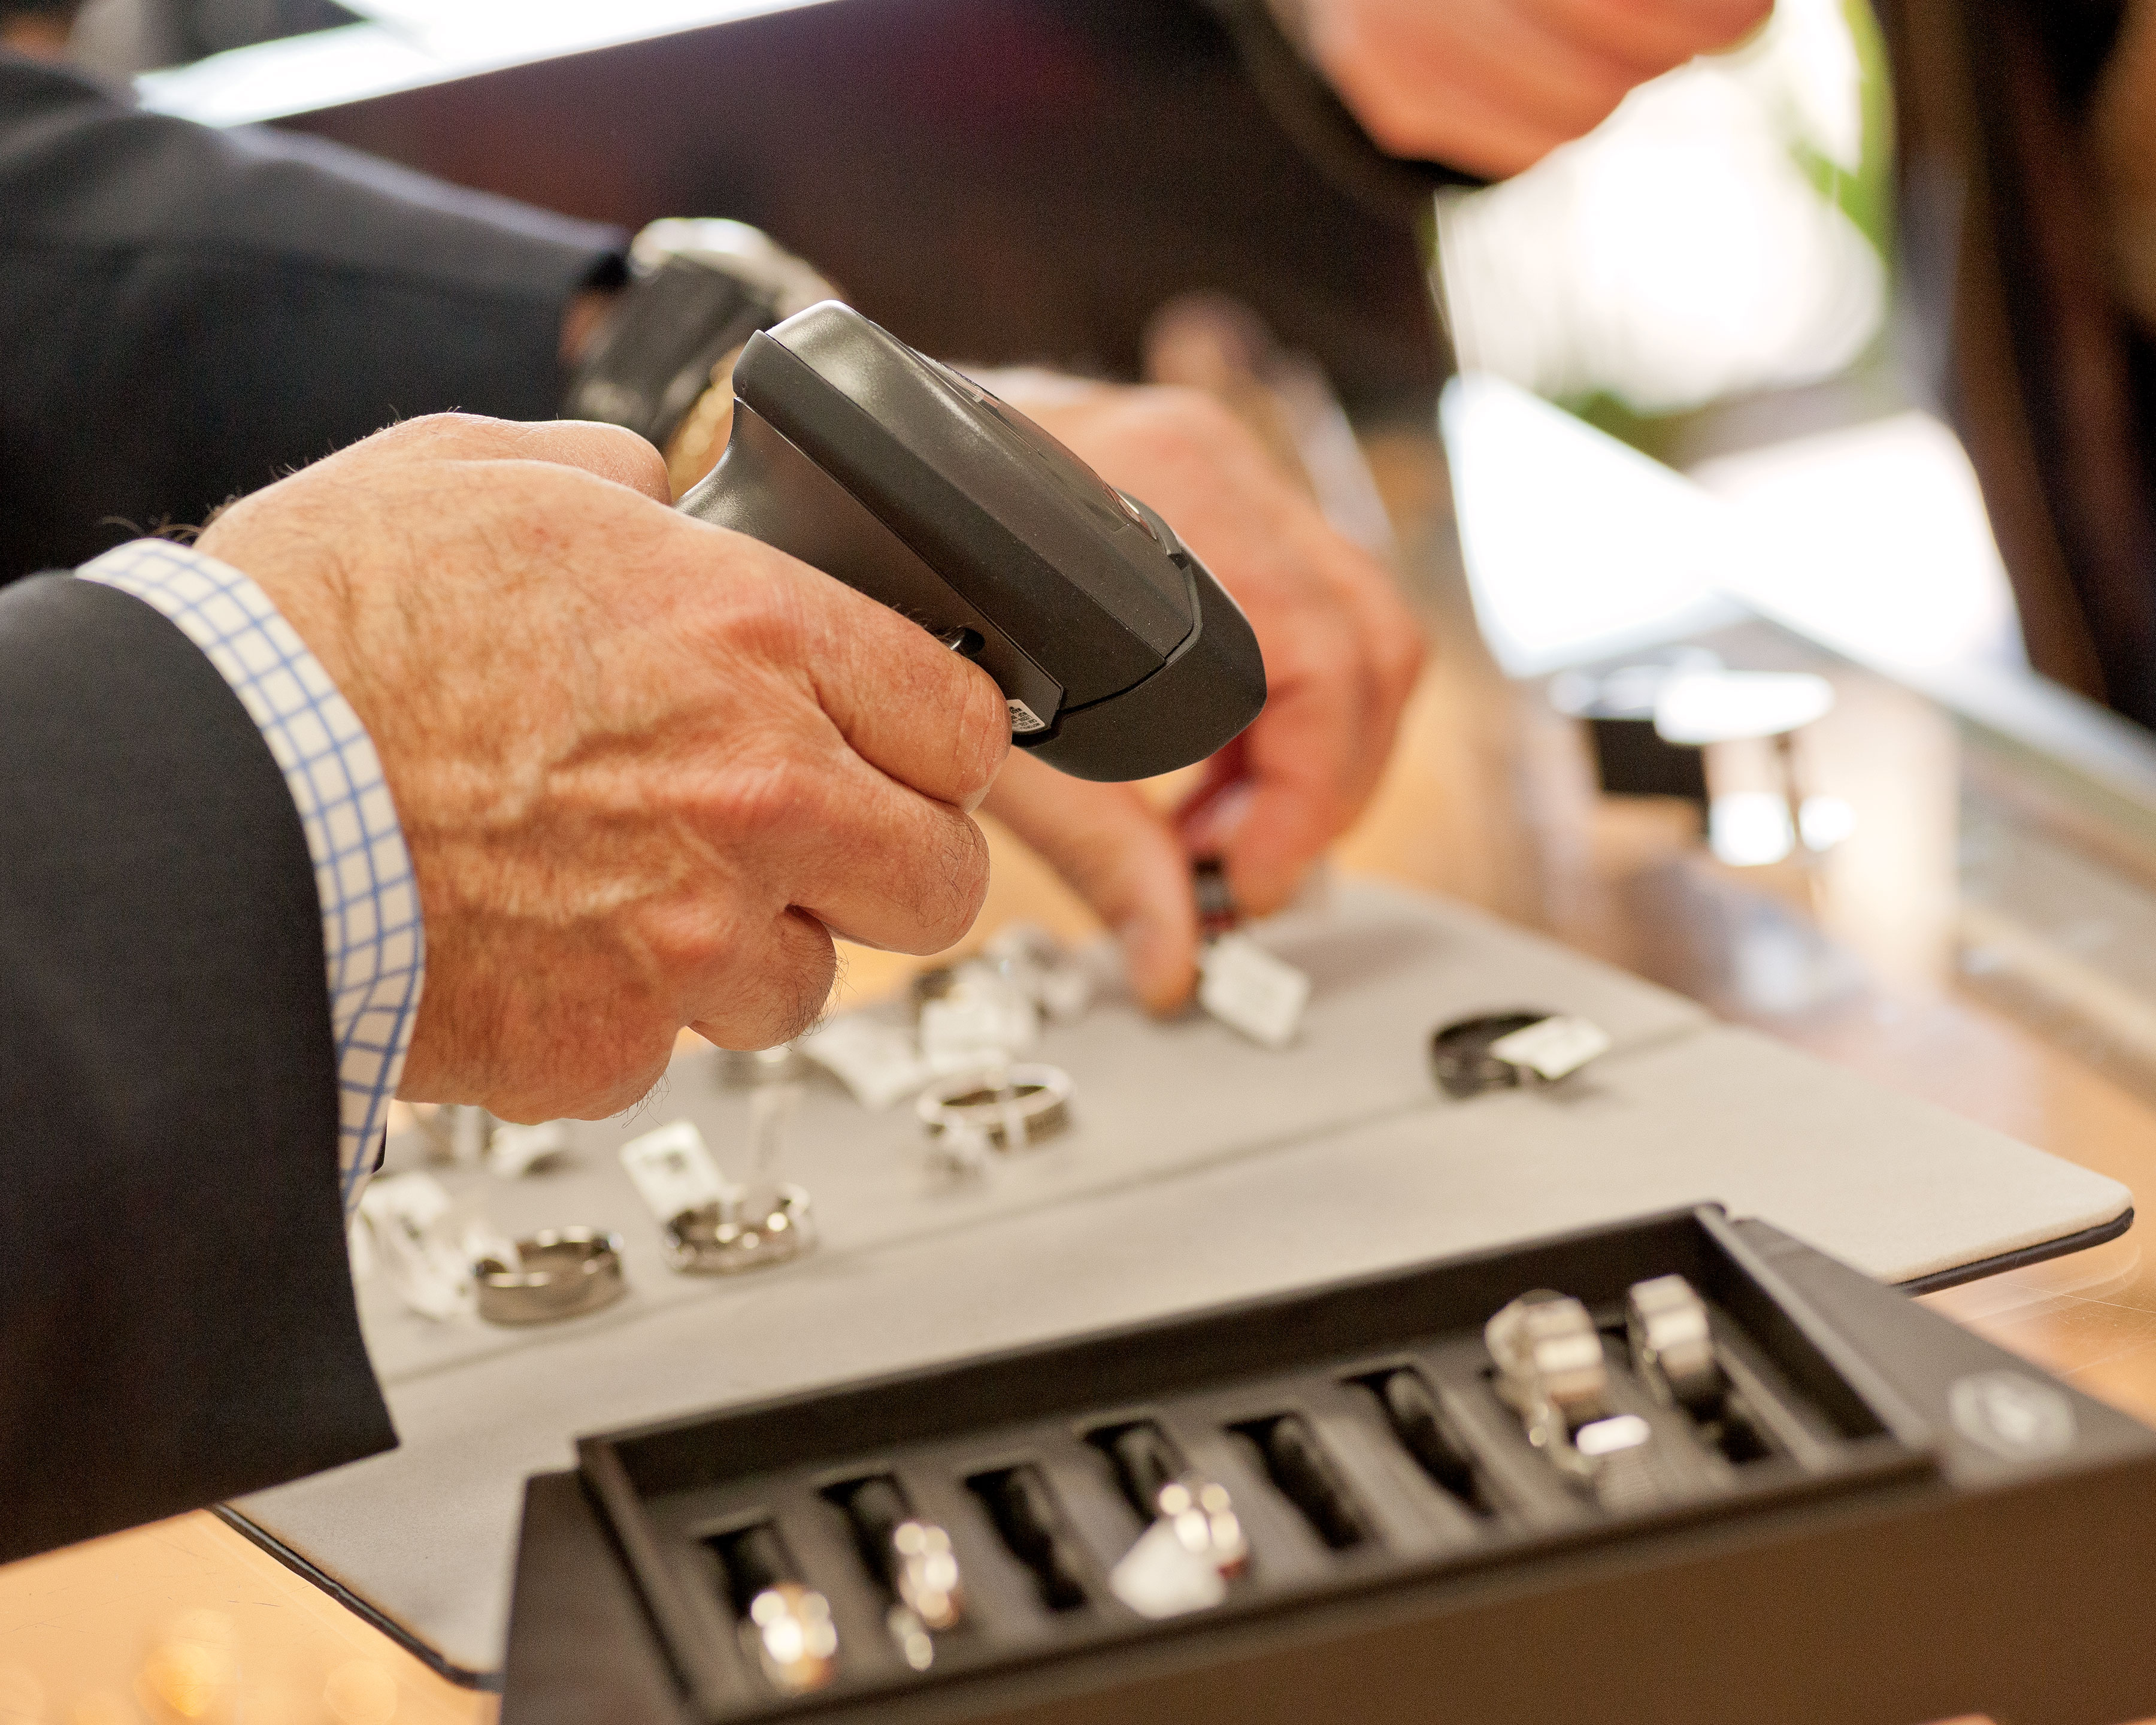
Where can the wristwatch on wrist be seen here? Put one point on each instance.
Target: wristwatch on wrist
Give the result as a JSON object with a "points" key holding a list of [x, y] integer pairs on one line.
{"points": [[662, 365]]}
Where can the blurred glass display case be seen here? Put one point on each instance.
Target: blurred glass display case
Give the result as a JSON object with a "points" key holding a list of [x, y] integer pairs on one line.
{"points": [[1973, 926]]}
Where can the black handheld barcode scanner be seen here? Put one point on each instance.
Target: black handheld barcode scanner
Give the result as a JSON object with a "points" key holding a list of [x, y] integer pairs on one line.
{"points": [[1120, 655]]}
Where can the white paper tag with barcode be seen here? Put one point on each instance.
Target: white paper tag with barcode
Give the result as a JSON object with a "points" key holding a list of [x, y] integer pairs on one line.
{"points": [[983, 1019], [514, 1151], [1249, 989], [1024, 719], [410, 1217], [672, 1171], [1552, 1048], [876, 1062]]}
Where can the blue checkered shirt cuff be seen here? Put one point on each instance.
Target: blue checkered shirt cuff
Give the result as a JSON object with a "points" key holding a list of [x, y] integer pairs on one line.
{"points": [[371, 934]]}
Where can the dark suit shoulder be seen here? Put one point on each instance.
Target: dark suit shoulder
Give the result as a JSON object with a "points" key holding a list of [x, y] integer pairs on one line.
{"points": [[186, 313]]}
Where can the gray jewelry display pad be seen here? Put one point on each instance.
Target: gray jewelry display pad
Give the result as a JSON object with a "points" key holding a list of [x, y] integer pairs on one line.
{"points": [[1199, 1167]]}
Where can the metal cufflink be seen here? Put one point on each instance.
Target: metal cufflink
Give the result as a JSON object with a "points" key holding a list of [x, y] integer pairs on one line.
{"points": [[1552, 1373], [1010, 1106], [916, 1561], [1023, 976], [560, 1273], [788, 1628], [1197, 1509], [923, 1572], [1460, 1057], [785, 1626], [1672, 1344], [932, 984], [1203, 1517], [723, 1237]]}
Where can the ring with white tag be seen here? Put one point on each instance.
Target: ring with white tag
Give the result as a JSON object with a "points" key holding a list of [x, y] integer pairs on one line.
{"points": [[560, 1273], [1509, 1051], [1011, 1106], [729, 1235]]}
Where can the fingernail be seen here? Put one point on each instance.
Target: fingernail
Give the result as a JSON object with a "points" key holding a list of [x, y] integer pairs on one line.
{"points": [[1160, 972]]}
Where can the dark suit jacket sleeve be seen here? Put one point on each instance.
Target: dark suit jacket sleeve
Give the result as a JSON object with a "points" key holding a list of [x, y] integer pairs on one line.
{"points": [[185, 313], [177, 1318]]}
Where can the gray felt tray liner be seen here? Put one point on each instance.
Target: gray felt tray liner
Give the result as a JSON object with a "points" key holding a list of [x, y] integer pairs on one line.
{"points": [[1200, 1168]]}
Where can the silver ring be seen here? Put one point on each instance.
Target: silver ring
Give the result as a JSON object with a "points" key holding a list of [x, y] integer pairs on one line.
{"points": [[716, 1239], [565, 1272], [1011, 1106], [1672, 1342], [1550, 1372]]}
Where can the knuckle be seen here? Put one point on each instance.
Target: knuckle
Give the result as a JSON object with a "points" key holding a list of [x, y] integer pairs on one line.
{"points": [[982, 736], [1405, 651], [1396, 121], [592, 1078], [451, 431], [637, 461], [426, 425], [761, 614], [762, 797]]}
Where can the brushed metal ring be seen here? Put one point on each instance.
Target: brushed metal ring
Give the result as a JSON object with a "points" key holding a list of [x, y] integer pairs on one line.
{"points": [[719, 1239], [565, 1272], [1010, 1106]]}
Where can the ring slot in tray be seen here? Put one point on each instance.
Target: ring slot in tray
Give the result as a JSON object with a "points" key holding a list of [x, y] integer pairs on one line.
{"points": [[1338, 1504]]}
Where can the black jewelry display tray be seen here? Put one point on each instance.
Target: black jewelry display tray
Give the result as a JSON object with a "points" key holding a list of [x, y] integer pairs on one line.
{"points": [[1934, 1527]]}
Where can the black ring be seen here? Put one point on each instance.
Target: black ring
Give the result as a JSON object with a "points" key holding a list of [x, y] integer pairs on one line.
{"points": [[1460, 1057], [1217, 909]]}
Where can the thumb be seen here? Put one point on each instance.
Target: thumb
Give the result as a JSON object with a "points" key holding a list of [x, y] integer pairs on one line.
{"points": [[1123, 860], [609, 451]]}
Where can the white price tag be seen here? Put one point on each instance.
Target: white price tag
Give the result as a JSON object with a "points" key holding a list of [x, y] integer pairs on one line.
{"points": [[1161, 1577], [1248, 989], [672, 1171], [408, 1216], [483, 1240], [515, 1151], [985, 1017], [876, 1062], [1552, 1048], [1036, 964]]}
